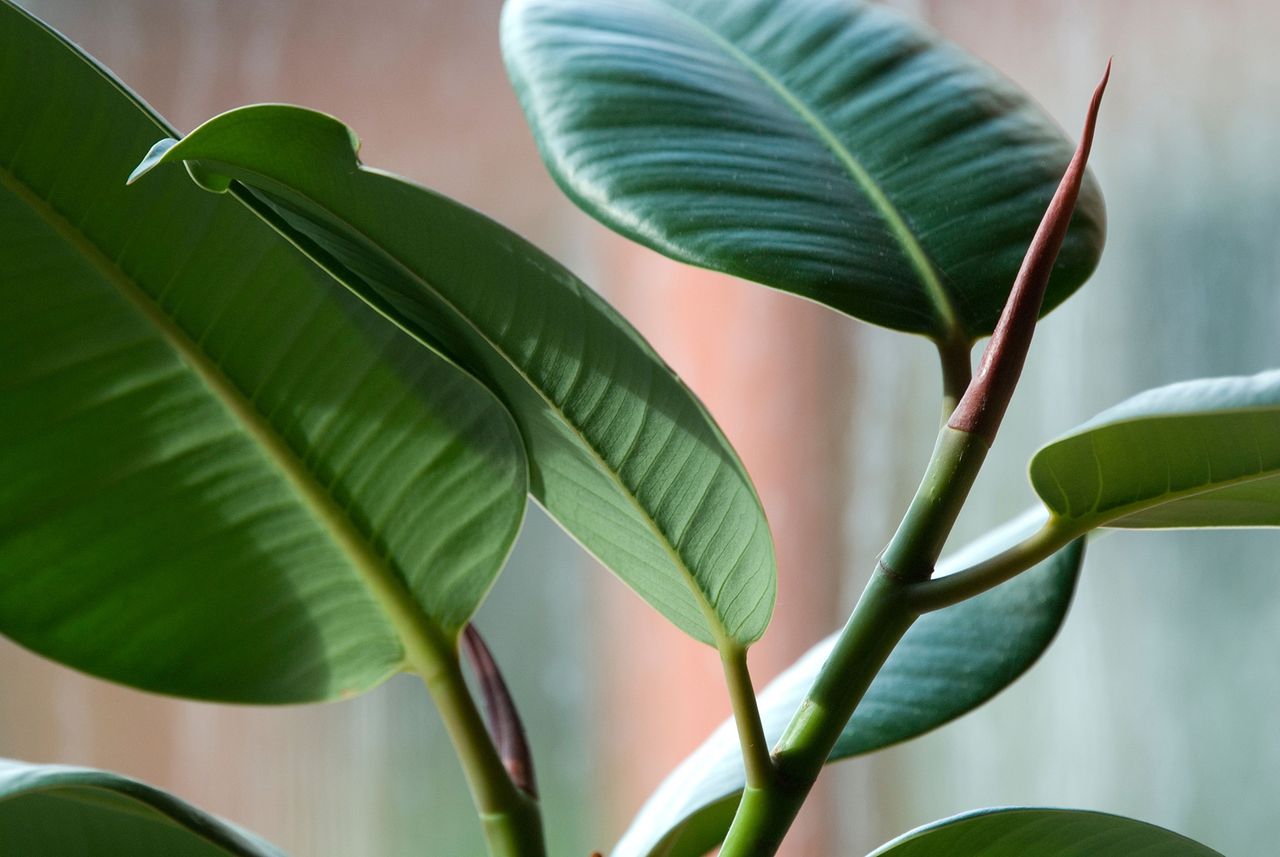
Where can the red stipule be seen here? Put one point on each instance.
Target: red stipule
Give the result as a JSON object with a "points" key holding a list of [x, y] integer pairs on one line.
{"points": [[984, 402], [503, 720]]}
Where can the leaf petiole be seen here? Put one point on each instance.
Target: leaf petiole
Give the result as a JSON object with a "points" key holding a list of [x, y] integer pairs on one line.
{"points": [[954, 355], [939, 592], [511, 818], [746, 715]]}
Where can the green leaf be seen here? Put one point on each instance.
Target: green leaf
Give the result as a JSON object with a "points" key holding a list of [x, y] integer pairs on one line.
{"points": [[829, 148], [1202, 453], [950, 662], [1021, 832], [222, 476], [621, 453], [54, 810]]}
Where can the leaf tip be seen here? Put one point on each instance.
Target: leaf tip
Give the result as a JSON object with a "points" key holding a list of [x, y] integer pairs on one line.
{"points": [[210, 180], [154, 157]]}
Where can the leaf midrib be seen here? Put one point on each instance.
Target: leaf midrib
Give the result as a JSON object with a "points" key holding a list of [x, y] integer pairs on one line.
{"points": [[953, 328], [422, 641], [720, 635]]}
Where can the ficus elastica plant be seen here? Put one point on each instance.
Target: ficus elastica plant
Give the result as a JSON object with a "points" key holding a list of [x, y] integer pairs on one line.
{"points": [[272, 417]]}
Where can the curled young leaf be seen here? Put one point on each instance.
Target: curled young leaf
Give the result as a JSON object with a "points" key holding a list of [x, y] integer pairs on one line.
{"points": [[982, 407], [505, 727], [1203, 453]]}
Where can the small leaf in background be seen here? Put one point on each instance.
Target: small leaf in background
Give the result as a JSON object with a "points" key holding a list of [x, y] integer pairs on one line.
{"points": [[621, 452], [1202, 453], [950, 662], [57, 811], [222, 476], [1030, 832], [829, 148]]}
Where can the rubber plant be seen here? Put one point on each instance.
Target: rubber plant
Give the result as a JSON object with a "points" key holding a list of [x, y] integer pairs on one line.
{"points": [[272, 417]]}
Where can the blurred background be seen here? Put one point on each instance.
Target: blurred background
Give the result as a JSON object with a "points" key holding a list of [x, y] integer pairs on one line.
{"points": [[1160, 696]]}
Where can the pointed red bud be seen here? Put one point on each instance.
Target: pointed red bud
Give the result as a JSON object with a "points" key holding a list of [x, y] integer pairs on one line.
{"points": [[505, 727], [984, 402]]}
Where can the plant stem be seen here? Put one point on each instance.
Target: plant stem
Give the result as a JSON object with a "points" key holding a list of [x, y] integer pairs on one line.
{"points": [[887, 609], [746, 715], [957, 372], [512, 821], [882, 616], [915, 547], [940, 592]]}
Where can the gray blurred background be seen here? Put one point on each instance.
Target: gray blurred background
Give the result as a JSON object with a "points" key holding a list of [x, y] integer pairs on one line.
{"points": [[1159, 698]]}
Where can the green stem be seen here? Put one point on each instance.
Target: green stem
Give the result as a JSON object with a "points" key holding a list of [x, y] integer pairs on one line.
{"points": [[887, 608], [514, 833], [764, 815], [512, 821], [915, 547], [746, 714], [883, 614], [944, 591]]}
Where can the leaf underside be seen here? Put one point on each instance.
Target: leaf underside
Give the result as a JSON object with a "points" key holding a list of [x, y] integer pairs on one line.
{"points": [[1203, 453], [214, 458], [621, 453]]}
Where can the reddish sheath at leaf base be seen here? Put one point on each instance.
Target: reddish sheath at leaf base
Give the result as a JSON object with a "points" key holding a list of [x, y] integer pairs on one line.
{"points": [[505, 727], [984, 402]]}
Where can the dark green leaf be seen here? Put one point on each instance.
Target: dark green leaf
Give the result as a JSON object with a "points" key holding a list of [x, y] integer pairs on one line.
{"points": [[1028, 832], [221, 475], [950, 662], [55, 811], [830, 148], [1202, 453], [621, 453]]}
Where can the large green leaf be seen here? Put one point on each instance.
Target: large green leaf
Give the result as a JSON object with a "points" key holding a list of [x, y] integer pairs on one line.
{"points": [[56, 811], [1029, 832], [621, 453], [1202, 453], [950, 662], [826, 147], [221, 475]]}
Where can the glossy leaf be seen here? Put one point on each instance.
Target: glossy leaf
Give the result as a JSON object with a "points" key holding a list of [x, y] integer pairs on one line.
{"points": [[829, 148], [1202, 453], [221, 475], [54, 810], [622, 454], [1020, 832], [950, 662]]}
